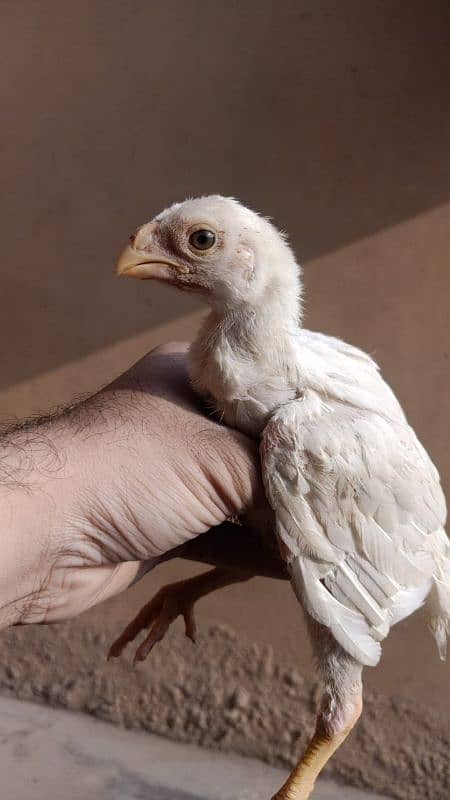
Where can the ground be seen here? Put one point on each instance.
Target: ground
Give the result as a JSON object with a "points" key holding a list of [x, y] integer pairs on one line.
{"points": [[53, 753], [226, 694]]}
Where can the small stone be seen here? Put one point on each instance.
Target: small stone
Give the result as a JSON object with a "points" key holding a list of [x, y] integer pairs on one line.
{"points": [[217, 696], [176, 695], [171, 721], [12, 671], [240, 698], [233, 715], [26, 690], [267, 662], [293, 678], [195, 714]]}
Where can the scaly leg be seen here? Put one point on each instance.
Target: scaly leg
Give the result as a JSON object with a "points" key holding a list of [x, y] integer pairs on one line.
{"points": [[170, 602], [341, 709], [323, 745]]}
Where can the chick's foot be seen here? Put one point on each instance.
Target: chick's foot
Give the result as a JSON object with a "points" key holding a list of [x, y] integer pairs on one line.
{"points": [[173, 600], [176, 599]]}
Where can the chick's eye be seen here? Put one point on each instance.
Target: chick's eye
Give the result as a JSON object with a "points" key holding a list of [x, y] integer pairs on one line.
{"points": [[202, 239]]}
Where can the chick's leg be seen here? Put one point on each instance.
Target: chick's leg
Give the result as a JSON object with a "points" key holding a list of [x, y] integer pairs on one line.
{"points": [[341, 709], [324, 743], [237, 552], [173, 600]]}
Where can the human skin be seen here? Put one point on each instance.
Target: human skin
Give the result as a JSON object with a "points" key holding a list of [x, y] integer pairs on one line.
{"points": [[93, 497]]}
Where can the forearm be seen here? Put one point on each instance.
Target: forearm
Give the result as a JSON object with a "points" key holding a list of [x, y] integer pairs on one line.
{"points": [[27, 522], [39, 482], [60, 548]]}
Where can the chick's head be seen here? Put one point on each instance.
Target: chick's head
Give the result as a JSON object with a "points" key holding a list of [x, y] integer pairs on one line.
{"points": [[215, 246]]}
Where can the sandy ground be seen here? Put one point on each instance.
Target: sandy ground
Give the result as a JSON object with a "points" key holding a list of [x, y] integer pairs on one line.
{"points": [[53, 753], [227, 694]]}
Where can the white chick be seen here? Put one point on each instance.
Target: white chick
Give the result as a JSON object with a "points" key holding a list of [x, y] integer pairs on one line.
{"points": [[359, 510]]}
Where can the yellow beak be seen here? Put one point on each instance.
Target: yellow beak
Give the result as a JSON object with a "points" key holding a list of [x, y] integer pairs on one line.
{"points": [[147, 265]]}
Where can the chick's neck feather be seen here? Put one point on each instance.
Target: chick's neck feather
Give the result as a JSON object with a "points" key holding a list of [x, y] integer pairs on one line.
{"points": [[250, 343], [270, 311]]}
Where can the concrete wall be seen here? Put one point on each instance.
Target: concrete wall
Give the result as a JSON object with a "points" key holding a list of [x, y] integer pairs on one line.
{"points": [[331, 117]]}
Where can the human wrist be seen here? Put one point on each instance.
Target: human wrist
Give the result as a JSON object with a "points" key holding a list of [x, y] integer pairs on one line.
{"points": [[42, 475], [63, 506]]}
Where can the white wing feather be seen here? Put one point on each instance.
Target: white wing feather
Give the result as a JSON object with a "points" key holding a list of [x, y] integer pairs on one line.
{"points": [[360, 518]]}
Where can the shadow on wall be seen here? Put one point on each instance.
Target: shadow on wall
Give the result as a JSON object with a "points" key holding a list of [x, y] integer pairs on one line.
{"points": [[330, 117]]}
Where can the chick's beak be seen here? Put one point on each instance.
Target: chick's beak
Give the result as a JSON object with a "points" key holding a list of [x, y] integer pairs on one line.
{"points": [[147, 264]]}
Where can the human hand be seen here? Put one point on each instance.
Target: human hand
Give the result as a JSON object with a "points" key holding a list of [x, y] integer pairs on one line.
{"points": [[100, 493]]}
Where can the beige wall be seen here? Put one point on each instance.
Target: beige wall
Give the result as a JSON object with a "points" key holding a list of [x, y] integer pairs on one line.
{"points": [[331, 117]]}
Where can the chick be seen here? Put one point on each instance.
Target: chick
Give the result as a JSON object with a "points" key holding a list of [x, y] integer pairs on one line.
{"points": [[359, 513]]}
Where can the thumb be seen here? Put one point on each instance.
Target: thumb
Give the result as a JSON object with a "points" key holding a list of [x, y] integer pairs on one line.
{"points": [[84, 587]]}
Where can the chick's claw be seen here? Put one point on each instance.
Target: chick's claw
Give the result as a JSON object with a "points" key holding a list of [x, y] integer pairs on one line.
{"points": [[170, 602]]}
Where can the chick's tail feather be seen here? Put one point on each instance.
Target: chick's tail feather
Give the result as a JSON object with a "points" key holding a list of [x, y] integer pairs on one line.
{"points": [[348, 626], [439, 621], [439, 602]]}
